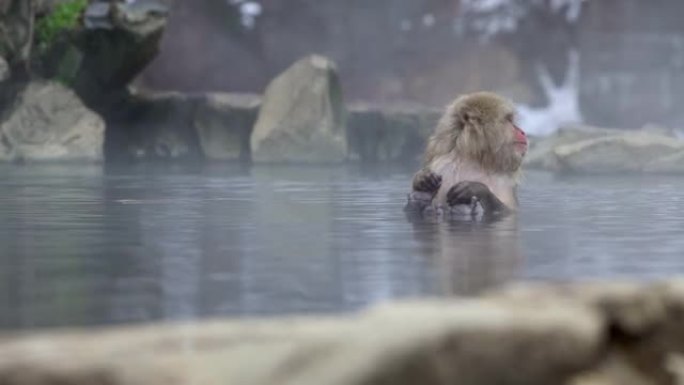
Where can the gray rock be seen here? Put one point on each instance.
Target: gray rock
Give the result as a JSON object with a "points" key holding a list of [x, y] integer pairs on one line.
{"points": [[16, 31], [389, 133], [598, 150], [302, 118], [4, 70], [50, 123], [120, 40], [629, 152], [123, 14], [224, 124], [155, 125], [540, 154], [97, 15]]}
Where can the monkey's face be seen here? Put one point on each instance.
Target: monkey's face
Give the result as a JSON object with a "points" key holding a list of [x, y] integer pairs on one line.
{"points": [[488, 133]]}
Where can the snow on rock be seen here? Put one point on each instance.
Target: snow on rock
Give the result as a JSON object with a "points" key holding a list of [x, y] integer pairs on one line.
{"points": [[493, 17], [249, 11], [563, 107]]}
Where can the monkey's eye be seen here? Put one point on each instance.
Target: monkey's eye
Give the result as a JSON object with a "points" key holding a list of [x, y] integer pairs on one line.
{"points": [[510, 118]]}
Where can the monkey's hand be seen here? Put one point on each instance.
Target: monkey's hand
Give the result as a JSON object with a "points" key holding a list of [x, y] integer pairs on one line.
{"points": [[469, 193], [427, 181], [426, 184]]}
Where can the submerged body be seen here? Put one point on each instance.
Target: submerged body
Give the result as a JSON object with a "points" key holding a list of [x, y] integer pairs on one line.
{"points": [[472, 160]]}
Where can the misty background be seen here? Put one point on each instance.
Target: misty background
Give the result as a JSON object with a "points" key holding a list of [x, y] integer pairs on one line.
{"points": [[627, 72]]}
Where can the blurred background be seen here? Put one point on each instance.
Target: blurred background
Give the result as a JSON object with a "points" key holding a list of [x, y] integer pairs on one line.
{"points": [[629, 70]]}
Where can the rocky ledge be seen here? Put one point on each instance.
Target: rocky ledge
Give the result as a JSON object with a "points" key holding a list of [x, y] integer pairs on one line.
{"points": [[594, 150], [590, 334]]}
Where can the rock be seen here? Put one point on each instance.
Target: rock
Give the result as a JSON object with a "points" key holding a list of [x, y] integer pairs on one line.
{"points": [[302, 118], [4, 70], [629, 152], [224, 124], [464, 342], [540, 153], [49, 123], [119, 41], [643, 321], [153, 126], [667, 164], [16, 31], [595, 150], [598, 333], [389, 133]]}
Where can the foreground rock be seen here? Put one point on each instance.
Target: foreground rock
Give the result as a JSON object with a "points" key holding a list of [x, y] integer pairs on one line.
{"points": [[591, 150], [48, 122], [593, 334], [428, 343], [396, 133], [302, 118]]}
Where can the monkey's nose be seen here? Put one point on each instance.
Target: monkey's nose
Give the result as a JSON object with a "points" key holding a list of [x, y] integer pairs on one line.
{"points": [[520, 135]]}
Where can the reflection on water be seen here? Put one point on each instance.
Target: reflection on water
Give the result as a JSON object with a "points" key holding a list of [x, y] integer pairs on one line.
{"points": [[81, 246]]}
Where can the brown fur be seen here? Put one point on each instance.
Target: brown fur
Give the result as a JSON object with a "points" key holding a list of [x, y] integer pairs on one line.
{"points": [[474, 142]]}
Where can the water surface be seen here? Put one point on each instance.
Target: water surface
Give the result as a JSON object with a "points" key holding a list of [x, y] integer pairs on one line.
{"points": [[81, 246]]}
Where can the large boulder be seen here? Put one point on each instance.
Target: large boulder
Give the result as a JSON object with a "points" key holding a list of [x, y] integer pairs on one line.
{"points": [[302, 118], [431, 343], [598, 150], [395, 133], [48, 122], [224, 124]]}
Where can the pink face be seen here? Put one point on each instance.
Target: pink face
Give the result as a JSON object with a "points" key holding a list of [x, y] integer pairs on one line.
{"points": [[519, 140]]}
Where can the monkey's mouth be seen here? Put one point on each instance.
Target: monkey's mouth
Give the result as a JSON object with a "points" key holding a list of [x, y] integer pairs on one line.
{"points": [[521, 146]]}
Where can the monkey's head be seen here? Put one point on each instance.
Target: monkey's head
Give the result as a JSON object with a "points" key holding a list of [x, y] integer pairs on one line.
{"points": [[483, 130]]}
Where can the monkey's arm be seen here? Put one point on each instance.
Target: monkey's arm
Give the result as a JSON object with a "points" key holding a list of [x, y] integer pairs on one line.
{"points": [[425, 186], [464, 192]]}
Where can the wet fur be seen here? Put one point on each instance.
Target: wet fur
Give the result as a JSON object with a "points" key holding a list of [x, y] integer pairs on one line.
{"points": [[474, 142]]}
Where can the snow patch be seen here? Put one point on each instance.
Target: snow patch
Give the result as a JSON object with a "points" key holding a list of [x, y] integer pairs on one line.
{"points": [[493, 17], [563, 107], [249, 11]]}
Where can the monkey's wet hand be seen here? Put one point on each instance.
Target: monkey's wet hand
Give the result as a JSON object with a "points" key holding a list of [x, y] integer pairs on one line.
{"points": [[427, 182], [468, 193]]}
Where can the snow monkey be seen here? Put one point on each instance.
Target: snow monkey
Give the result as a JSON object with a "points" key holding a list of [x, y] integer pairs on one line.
{"points": [[472, 159]]}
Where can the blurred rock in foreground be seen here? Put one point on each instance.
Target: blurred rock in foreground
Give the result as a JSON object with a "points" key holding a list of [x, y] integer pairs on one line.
{"points": [[48, 122], [302, 118], [591, 334], [591, 150]]}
